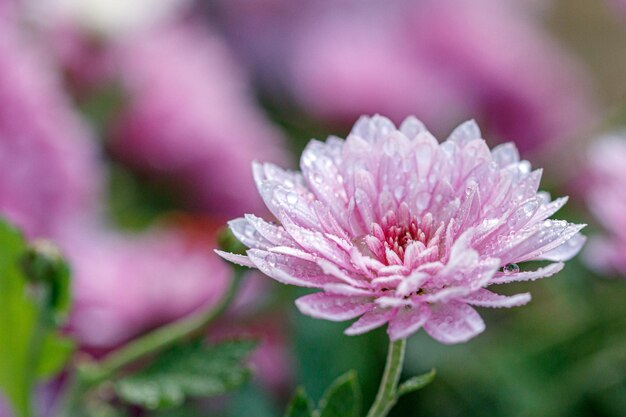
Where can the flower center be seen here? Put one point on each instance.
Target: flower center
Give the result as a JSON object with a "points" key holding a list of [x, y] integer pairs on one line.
{"points": [[391, 240], [399, 237]]}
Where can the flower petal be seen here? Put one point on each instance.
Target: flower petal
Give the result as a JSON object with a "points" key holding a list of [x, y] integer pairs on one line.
{"points": [[369, 321], [333, 307], [546, 271], [454, 322], [505, 154], [566, 251], [412, 126], [345, 289], [272, 233], [465, 133], [373, 128], [407, 321], [236, 258], [538, 240], [247, 234], [289, 270], [486, 298]]}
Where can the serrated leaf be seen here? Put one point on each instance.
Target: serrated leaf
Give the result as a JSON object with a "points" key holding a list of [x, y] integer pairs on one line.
{"points": [[26, 347], [300, 405], [189, 370], [342, 398], [415, 383]]}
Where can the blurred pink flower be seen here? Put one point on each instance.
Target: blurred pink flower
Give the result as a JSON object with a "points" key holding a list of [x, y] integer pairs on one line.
{"points": [[444, 60], [606, 197], [190, 118], [125, 285], [619, 6], [50, 167], [5, 411], [397, 228], [440, 59]]}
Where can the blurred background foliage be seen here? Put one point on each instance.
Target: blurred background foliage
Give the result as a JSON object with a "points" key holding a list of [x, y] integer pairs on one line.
{"points": [[562, 355]]}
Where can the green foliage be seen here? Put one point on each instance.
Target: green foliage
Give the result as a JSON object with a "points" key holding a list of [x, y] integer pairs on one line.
{"points": [[300, 405], [341, 399], [98, 408], [185, 411], [251, 396], [228, 242], [187, 370], [102, 107], [42, 263], [57, 350], [416, 383], [135, 203], [34, 296]]}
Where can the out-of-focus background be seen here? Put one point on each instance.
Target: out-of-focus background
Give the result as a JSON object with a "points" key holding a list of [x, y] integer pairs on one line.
{"points": [[127, 129]]}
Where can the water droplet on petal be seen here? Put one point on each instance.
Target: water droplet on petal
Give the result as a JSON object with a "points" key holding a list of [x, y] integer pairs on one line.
{"points": [[292, 198], [510, 269], [317, 178], [399, 192]]}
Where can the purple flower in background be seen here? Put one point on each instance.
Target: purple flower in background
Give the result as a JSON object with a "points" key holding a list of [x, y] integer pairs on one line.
{"points": [[125, 285], [397, 228], [619, 6], [606, 197], [190, 118], [442, 60], [50, 167]]}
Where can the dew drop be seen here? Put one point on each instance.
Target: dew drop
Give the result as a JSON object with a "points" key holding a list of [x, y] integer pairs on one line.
{"points": [[510, 269], [423, 199], [317, 178], [292, 198], [398, 192]]}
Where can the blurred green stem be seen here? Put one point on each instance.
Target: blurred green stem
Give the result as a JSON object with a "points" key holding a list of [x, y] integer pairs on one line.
{"points": [[90, 374], [388, 391]]}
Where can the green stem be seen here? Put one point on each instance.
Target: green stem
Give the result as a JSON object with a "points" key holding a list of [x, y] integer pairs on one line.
{"points": [[387, 392], [91, 374]]}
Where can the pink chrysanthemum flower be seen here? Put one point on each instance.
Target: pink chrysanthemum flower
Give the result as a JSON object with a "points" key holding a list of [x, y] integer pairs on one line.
{"points": [[397, 228]]}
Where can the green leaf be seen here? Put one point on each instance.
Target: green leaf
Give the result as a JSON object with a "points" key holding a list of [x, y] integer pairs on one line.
{"points": [[251, 396], [188, 370], [29, 301], [58, 351], [300, 405], [415, 383], [342, 398]]}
